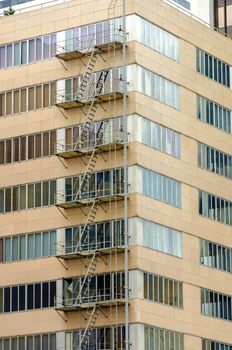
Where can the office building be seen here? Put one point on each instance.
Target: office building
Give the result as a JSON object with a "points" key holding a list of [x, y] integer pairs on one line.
{"points": [[115, 176]]}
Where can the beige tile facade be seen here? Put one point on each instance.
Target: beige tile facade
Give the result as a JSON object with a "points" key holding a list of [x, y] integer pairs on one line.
{"points": [[186, 269]]}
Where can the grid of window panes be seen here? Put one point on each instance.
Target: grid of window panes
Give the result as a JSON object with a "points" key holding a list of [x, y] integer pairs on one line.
{"points": [[110, 82], [100, 236], [102, 288], [153, 36], [216, 304], [215, 161], [27, 147], [27, 297], [27, 246], [100, 132], [213, 68], [27, 196], [27, 98], [212, 113], [102, 183], [100, 338], [160, 137], [162, 238], [160, 339], [44, 47], [161, 187], [216, 256], [163, 290], [46, 341], [214, 345], [154, 85], [215, 208]]}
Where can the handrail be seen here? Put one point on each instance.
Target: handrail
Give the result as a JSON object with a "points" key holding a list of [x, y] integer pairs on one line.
{"points": [[93, 296], [188, 13], [77, 42], [68, 247], [65, 197], [33, 7], [91, 91], [90, 143]]}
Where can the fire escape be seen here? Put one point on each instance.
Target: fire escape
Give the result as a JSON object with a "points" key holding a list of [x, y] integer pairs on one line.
{"points": [[89, 95]]}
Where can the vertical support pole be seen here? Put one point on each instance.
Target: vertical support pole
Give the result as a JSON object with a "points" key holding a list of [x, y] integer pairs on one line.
{"points": [[126, 234]]}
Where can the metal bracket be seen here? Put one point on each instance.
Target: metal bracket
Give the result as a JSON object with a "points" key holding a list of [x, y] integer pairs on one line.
{"points": [[103, 259], [62, 64], [102, 57], [103, 313], [102, 207], [62, 162], [62, 212], [103, 157], [83, 211], [102, 107], [59, 313], [62, 112], [59, 259]]}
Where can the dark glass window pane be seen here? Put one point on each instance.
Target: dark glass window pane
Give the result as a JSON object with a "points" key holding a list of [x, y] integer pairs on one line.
{"points": [[52, 292], [16, 150], [37, 145], [38, 296], [30, 146], [7, 299], [23, 141], [14, 298], [21, 297], [8, 151], [30, 296], [45, 295], [2, 149]]}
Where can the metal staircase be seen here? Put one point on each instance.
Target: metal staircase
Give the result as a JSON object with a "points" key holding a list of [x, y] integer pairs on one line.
{"points": [[87, 74], [92, 318]]}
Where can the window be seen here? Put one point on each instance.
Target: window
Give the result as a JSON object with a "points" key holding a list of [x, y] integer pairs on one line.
{"points": [[27, 196], [211, 113], [215, 208], [214, 345], [215, 161], [163, 290], [162, 238], [153, 85], [216, 304], [27, 147], [100, 235], [160, 137], [27, 99], [27, 297], [101, 338], [159, 339], [161, 188], [216, 256], [31, 342], [152, 36], [213, 68]]}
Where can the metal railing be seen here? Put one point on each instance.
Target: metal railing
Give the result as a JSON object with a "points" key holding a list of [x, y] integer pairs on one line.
{"points": [[188, 13], [69, 247], [66, 197], [30, 7], [110, 86], [90, 143], [85, 43], [92, 297]]}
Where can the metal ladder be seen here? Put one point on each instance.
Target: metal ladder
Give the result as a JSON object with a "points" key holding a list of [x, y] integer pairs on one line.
{"points": [[87, 74], [91, 109], [92, 318]]}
